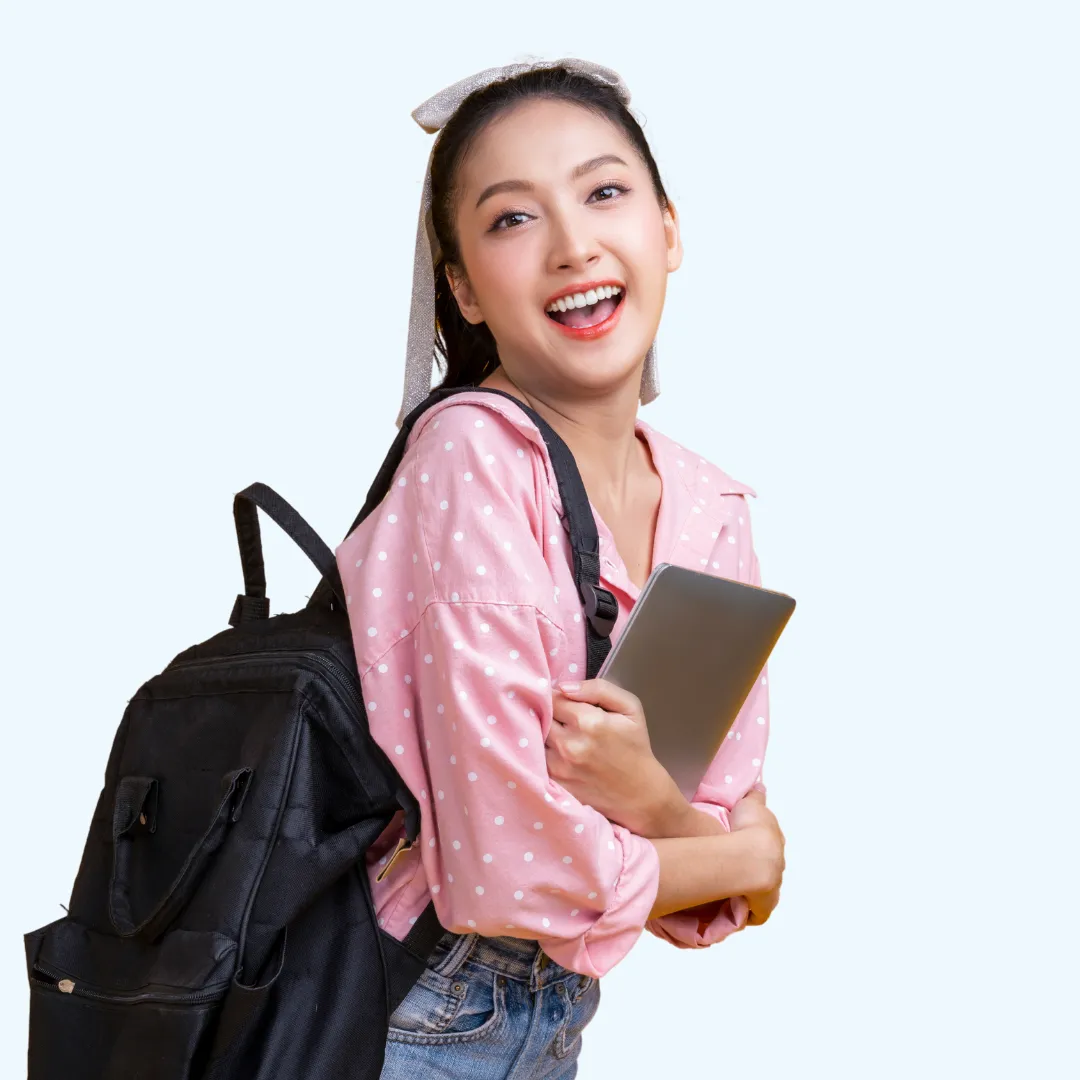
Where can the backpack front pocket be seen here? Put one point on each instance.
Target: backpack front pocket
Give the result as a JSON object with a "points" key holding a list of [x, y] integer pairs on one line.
{"points": [[108, 1007]]}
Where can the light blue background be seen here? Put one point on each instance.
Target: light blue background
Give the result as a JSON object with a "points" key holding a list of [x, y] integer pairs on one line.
{"points": [[207, 215]]}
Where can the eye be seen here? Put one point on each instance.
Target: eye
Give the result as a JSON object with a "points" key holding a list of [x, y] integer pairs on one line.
{"points": [[618, 190], [497, 225]]}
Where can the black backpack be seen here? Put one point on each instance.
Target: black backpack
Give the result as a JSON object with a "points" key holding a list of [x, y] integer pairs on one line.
{"points": [[221, 925]]}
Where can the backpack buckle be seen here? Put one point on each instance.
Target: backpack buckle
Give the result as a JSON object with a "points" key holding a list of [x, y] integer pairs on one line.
{"points": [[601, 608]]}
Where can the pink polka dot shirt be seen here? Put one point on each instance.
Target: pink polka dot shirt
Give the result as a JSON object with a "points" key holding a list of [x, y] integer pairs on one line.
{"points": [[464, 613]]}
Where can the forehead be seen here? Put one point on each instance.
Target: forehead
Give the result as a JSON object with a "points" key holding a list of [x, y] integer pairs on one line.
{"points": [[540, 140]]}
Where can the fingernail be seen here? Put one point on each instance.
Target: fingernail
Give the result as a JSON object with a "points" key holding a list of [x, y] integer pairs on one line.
{"points": [[569, 687]]}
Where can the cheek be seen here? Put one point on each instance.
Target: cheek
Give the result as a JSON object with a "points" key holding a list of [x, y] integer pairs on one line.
{"points": [[644, 249], [500, 278]]}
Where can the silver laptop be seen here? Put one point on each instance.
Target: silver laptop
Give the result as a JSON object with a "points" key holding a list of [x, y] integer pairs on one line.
{"points": [[691, 651]]}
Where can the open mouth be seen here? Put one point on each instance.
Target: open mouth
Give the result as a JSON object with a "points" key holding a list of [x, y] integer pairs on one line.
{"points": [[580, 311]]}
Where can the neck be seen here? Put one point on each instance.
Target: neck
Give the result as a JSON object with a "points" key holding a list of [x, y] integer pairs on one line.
{"points": [[600, 434]]}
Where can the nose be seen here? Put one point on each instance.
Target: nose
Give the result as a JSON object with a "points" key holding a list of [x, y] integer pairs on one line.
{"points": [[573, 244]]}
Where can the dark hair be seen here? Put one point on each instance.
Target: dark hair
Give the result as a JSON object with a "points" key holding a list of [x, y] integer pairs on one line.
{"points": [[468, 353]]}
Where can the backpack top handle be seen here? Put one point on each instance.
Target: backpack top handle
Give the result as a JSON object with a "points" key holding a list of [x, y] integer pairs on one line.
{"points": [[253, 603]]}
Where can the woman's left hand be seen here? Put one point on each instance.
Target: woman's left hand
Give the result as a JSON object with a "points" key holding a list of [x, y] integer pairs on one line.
{"points": [[598, 749]]}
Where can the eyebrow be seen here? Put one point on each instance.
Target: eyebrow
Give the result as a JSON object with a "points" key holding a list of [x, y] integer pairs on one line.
{"points": [[576, 173]]}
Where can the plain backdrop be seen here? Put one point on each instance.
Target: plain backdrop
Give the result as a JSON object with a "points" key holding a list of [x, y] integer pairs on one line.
{"points": [[207, 215]]}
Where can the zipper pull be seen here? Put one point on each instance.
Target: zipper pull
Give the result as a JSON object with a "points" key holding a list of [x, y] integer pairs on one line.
{"points": [[65, 986], [403, 845]]}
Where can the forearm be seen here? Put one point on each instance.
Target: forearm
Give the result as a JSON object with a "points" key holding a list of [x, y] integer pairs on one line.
{"points": [[677, 817], [697, 870]]}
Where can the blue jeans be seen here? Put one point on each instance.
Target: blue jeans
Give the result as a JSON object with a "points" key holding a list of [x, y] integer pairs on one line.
{"points": [[490, 1009]]}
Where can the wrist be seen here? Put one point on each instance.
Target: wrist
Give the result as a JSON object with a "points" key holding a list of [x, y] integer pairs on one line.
{"points": [[671, 815]]}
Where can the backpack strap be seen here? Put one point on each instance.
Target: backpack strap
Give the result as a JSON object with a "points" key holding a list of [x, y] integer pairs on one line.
{"points": [[601, 607], [252, 603]]}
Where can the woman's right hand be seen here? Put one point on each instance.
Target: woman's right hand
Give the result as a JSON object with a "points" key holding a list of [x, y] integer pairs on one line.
{"points": [[752, 816]]}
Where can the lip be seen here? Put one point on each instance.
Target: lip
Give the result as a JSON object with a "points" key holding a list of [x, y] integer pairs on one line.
{"points": [[587, 333], [583, 287]]}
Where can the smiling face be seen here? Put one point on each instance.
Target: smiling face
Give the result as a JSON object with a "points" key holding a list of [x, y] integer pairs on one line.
{"points": [[553, 202]]}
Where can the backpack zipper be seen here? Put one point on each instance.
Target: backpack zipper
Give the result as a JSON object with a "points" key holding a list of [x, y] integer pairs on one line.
{"points": [[57, 980], [337, 675]]}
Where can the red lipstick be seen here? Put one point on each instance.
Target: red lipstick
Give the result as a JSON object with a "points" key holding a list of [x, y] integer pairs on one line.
{"points": [[588, 333]]}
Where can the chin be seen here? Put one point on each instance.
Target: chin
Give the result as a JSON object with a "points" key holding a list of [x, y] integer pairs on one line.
{"points": [[602, 376]]}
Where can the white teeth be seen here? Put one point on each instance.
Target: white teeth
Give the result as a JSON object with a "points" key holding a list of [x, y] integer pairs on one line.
{"points": [[585, 299]]}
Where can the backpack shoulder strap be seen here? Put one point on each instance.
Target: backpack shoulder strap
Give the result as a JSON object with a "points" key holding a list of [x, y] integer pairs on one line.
{"points": [[601, 607]]}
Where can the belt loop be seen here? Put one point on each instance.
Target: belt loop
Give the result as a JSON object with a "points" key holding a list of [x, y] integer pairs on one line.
{"points": [[535, 974], [456, 955]]}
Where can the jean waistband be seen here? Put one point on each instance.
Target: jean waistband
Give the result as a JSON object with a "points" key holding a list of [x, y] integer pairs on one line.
{"points": [[516, 958]]}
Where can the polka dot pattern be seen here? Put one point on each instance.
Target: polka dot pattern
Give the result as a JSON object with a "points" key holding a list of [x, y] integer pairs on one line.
{"points": [[464, 613]]}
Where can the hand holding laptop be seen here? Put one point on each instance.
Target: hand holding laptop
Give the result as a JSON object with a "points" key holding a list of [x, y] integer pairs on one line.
{"points": [[598, 748]]}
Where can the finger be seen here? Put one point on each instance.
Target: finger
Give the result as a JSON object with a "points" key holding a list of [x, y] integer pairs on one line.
{"points": [[764, 914], [556, 733], [604, 694], [757, 916], [762, 905], [565, 711]]}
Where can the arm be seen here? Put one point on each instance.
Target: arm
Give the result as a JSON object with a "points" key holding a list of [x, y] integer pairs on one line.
{"points": [[688, 819], [698, 870]]}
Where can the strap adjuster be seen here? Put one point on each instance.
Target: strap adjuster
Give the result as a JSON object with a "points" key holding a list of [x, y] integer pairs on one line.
{"points": [[249, 608], [601, 608]]}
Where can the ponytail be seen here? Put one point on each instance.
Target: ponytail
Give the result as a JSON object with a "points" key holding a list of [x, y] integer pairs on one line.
{"points": [[467, 353]]}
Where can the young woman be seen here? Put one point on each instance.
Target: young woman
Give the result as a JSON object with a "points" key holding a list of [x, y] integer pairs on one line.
{"points": [[551, 837]]}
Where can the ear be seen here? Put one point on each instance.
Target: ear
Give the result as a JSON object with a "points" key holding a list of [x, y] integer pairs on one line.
{"points": [[673, 236], [464, 295]]}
